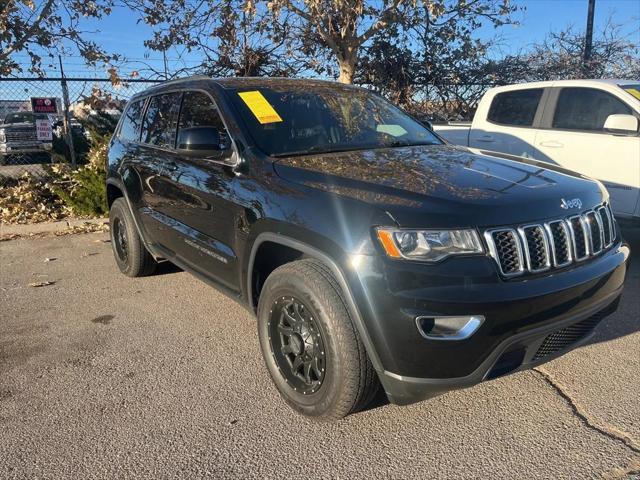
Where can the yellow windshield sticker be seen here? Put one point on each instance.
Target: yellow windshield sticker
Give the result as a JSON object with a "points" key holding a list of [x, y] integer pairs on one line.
{"points": [[260, 107], [634, 91]]}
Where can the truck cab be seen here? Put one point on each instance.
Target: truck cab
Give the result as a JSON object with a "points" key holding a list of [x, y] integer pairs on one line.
{"points": [[588, 126], [19, 138]]}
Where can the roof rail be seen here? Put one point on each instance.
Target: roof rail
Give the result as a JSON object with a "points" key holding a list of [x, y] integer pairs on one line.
{"points": [[183, 79]]}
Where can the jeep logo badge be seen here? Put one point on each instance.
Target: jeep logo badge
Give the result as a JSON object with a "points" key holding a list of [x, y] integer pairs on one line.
{"points": [[573, 203]]}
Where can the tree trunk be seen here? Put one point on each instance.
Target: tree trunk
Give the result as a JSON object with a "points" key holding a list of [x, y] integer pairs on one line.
{"points": [[347, 64]]}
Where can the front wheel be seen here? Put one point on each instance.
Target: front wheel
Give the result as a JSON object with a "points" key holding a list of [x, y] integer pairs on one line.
{"points": [[310, 345]]}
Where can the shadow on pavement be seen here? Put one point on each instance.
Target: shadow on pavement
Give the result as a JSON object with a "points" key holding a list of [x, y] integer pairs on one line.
{"points": [[165, 268], [626, 320]]}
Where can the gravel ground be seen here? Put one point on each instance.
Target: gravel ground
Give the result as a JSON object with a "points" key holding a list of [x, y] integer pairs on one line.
{"points": [[102, 376]]}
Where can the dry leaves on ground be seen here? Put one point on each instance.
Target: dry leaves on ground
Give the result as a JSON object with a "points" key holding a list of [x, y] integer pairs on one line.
{"points": [[30, 200]]}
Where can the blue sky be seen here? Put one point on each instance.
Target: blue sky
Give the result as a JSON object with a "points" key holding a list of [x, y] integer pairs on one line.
{"points": [[120, 33]]}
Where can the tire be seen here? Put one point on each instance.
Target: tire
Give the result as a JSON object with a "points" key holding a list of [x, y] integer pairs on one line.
{"points": [[131, 256], [347, 381]]}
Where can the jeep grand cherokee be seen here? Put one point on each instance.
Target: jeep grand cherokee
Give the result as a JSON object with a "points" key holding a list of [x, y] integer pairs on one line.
{"points": [[371, 251]]}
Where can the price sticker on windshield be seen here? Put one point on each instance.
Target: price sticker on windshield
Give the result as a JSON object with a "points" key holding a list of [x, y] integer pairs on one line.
{"points": [[634, 91], [260, 107]]}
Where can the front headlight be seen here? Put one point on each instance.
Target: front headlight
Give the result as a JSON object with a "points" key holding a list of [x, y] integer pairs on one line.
{"points": [[428, 245], [3, 138]]}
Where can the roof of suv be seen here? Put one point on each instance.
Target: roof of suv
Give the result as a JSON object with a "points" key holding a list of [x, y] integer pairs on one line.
{"points": [[243, 82]]}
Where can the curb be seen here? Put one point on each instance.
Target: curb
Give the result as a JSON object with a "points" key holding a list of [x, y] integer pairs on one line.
{"points": [[48, 227]]}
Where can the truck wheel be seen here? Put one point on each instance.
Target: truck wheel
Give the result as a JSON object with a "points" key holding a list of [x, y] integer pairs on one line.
{"points": [[312, 350], [132, 257]]}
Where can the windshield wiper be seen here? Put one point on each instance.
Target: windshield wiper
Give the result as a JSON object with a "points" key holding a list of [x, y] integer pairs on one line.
{"points": [[314, 149]]}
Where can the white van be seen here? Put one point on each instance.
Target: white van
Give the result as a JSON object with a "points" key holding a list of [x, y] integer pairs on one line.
{"points": [[589, 126]]}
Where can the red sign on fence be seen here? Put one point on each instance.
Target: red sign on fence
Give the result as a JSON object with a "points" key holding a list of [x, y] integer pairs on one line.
{"points": [[44, 105]]}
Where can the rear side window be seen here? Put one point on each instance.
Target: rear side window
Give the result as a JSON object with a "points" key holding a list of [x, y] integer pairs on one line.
{"points": [[586, 109], [161, 120], [130, 128], [516, 108]]}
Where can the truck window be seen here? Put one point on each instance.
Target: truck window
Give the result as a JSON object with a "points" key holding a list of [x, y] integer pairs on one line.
{"points": [[198, 110], [585, 109], [130, 127], [161, 120], [516, 108]]}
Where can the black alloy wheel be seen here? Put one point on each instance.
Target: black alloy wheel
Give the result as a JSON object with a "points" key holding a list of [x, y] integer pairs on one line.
{"points": [[119, 239], [297, 345]]}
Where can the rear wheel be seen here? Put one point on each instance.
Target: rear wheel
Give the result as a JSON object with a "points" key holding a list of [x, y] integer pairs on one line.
{"points": [[131, 256], [311, 347]]}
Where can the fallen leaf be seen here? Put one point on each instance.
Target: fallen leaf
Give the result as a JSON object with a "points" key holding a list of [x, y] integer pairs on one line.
{"points": [[50, 259], [41, 284]]}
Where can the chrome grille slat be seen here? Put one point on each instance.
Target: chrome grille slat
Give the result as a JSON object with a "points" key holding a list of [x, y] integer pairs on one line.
{"points": [[537, 247], [505, 248], [594, 225], [607, 224], [560, 242], [579, 240]]}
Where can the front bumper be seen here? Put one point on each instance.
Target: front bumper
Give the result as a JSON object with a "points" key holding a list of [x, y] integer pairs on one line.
{"points": [[27, 147], [519, 352], [519, 314]]}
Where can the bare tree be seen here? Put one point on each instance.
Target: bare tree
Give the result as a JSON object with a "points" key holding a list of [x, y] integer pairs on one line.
{"points": [[48, 28], [230, 37], [560, 55], [348, 27]]}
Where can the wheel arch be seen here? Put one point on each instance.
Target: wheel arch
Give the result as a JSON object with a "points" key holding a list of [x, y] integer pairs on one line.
{"points": [[309, 251]]}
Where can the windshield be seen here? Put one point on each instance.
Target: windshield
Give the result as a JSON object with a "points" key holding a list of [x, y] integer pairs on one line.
{"points": [[632, 89], [312, 118], [19, 117]]}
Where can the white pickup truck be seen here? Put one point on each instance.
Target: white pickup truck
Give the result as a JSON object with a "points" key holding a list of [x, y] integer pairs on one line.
{"points": [[589, 126]]}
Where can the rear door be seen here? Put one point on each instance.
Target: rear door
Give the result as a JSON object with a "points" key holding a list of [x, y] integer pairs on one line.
{"points": [[157, 153], [573, 136], [139, 170], [509, 122]]}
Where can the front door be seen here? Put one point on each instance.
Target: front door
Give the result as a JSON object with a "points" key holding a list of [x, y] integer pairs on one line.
{"points": [[578, 141], [202, 199]]}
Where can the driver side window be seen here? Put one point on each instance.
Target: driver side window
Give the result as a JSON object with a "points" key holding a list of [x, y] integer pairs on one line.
{"points": [[198, 110]]}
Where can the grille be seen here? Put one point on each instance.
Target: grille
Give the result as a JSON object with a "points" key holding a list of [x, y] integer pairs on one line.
{"points": [[537, 247], [20, 134], [567, 336]]}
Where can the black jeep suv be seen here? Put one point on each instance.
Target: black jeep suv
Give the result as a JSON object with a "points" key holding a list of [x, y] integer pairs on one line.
{"points": [[371, 251]]}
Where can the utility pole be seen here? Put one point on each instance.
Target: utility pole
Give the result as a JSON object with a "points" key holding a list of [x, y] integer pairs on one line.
{"points": [[588, 39], [66, 122]]}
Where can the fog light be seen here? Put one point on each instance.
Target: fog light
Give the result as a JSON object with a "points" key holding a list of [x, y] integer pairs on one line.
{"points": [[449, 328]]}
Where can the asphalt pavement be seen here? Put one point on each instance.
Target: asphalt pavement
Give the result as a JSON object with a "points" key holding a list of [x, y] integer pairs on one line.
{"points": [[103, 376]]}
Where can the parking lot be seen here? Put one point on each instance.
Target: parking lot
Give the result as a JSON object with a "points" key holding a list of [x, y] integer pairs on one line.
{"points": [[103, 376]]}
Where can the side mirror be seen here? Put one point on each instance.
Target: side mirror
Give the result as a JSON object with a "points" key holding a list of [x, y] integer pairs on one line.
{"points": [[427, 124], [620, 123], [202, 140]]}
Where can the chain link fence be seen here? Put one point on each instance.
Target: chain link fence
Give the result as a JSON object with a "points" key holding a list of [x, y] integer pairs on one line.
{"points": [[41, 124], [63, 125]]}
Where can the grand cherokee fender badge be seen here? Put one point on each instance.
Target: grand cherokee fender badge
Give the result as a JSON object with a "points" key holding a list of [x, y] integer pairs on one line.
{"points": [[573, 203]]}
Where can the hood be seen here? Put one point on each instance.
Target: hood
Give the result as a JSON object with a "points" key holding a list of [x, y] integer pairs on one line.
{"points": [[445, 185]]}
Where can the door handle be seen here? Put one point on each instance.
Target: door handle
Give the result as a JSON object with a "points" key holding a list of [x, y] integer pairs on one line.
{"points": [[551, 144]]}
